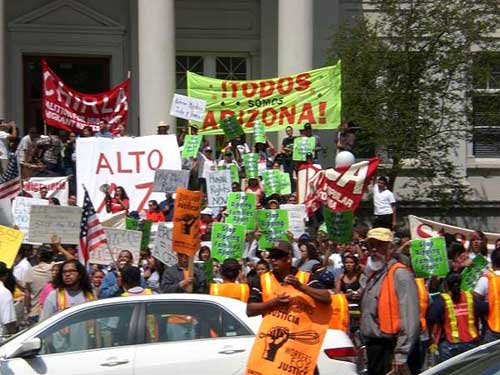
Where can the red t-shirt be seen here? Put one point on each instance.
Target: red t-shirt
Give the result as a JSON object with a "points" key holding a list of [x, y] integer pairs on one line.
{"points": [[155, 216]]}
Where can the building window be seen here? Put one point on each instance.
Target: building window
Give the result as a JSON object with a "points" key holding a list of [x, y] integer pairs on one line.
{"points": [[231, 68], [182, 65], [486, 106]]}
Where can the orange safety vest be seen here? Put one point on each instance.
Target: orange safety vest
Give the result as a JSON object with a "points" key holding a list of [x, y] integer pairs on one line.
{"points": [[388, 303], [231, 290], [146, 291], [62, 299], [270, 285], [493, 302], [459, 318], [340, 312], [423, 302]]}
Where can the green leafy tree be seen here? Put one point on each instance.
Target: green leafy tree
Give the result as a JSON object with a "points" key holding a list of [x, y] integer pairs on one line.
{"points": [[406, 78]]}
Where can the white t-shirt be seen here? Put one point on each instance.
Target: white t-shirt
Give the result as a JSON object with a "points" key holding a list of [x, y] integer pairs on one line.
{"points": [[482, 285], [4, 145], [7, 312], [382, 201], [20, 270]]}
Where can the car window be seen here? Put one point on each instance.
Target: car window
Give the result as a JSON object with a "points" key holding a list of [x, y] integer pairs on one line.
{"points": [[482, 362], [100, 327], [184, 320]]}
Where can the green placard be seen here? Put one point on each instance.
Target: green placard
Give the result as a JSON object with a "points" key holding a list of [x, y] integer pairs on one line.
{"points": [[271, 179], [339, 225], [273, 225], [471, 273], [285, 184], [428, 257], [259, 132], [228, 241], [142, 225], [232, 128], [191, 145], [251, 165], [302, 146], [235, 174], [241, 208]]}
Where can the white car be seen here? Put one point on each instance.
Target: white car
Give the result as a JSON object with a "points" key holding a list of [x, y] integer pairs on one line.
{"points": [[157, 334]]}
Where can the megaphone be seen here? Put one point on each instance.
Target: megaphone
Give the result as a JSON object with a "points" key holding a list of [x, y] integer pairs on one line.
{"points": [[104, 188]]}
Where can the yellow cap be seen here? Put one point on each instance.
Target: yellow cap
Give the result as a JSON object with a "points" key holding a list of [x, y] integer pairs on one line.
{"points": [[381, 234]]}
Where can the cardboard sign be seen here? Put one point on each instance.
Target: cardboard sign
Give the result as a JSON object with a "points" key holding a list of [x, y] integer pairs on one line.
{"points": [[273, 225], [428, 257], [162, 250], [241, 208], [188, 108], [272, 181], [10, 242], [128, 162], [167, 181], [285, 184], [290, 337], [57, 187], [339, 225], [231, 127], [303, 146], [251, 162], [191, 145], [118, 240], [471, 273], [144, 226], [64, 221], [21, 207], [259, 132], [313, 96], [228, 241], [186, 236], [218, 187], [296, 216]]}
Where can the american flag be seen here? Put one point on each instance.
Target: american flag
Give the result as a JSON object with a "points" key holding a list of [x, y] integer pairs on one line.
{"points": [[91, 232], [10, 182]]}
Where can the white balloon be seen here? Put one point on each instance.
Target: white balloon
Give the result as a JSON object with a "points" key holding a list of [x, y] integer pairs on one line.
{"points": [[344, 159]]}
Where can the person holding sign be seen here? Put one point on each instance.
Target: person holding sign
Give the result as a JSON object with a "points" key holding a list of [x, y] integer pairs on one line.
{"points": [[230, 269], [176, 278]]}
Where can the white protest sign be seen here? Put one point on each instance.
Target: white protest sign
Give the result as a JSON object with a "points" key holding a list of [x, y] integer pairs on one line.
{"points": [[57, 187], [218, 187], [63, 221], [118, 240], [21, 207], [127, 162], [162, 249], [167, 181], [296, 216], [188, 108]]}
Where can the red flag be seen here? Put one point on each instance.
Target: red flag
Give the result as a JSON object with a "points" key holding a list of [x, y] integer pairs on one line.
{"points": [[91, 232]]}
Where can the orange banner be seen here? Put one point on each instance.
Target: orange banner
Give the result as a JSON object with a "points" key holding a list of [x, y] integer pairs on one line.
{"points": [[290, 339], [186, 233]]}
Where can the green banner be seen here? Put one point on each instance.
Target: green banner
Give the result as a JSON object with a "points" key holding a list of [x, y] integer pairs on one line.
{"points": [[228, 241], [271, 178], [142, 225], [339, 225], [259, 132], [241, 208], [232, 128], [191, 145], [302, 146], [471, 273], [273, 225], [251, 162], [313, 96], [285, 184], [428, 257]]}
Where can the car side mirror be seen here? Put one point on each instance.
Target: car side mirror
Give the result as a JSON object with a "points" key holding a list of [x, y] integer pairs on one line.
{"points": [[28, 348]]}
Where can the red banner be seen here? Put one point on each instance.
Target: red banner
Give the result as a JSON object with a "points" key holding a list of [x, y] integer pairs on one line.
{"points": [[339, 189], [71, 110]]}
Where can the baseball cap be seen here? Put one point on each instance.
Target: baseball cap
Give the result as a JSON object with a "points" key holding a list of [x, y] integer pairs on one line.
{"points": [[381, 234], [281, 249], [207, 211], [208, 148]]}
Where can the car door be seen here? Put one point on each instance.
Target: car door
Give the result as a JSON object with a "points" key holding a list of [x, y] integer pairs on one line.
{"points": [[191, 338], [91, 341]]}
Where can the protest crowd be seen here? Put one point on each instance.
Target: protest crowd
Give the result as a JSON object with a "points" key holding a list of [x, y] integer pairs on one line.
{"points": [[254, 234]]}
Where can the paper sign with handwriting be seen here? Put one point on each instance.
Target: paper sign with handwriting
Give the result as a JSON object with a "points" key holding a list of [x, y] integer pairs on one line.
{"points": [[167, 181], [218, 187], [188, 108], [163, 246], [10, 242], [21, 213], [118, 240], [64, 221], [296, 216]]}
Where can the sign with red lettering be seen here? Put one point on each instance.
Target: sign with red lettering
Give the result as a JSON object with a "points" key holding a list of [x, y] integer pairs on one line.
{"points": [[68, 109], [104, 164], [57, 187]]}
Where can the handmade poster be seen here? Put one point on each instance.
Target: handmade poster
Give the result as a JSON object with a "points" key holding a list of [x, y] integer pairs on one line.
{"points": [[303, 146], [251, 161], [191, 145], [241, 208], [118, 240], [187, 108], [339, 225], [471, 273], [271, 180], [428, 257], [144, 226], [231, 127], [218, 187], [186, 233], [296, 216], [21, 207], [167, 181], [63, 221], [259, 132], [162, 249], [228, 241], [10, 242], [57, 187], [273, 225]]}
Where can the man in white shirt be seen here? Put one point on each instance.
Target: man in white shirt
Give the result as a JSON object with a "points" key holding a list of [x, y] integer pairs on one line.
{"points": [[5, 137], [7, 312], [384, 205]]}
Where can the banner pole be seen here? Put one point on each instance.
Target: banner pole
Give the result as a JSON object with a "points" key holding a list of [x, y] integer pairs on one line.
{"points": [[44, 127], [189, 288]]}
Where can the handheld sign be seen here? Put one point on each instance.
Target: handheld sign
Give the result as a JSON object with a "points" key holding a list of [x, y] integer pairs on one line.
{"points": [[231, 127], [144, 226], [296, 215], [163, 247], [228, 241], [428, 257], [273, 225], [259, 132], [188, 108], [251, 162], [271, 179], [118, 240], [21, 207], [167, 181], [64, 221], [186, 234], [302, 146], [241, 208], [285, 184], [218, 187], [471, 273], [10, 242], [191, 145], [339, 225]]}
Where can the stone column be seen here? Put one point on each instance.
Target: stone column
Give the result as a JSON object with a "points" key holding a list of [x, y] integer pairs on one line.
{"points": [[3, 90], [156, 19]]}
